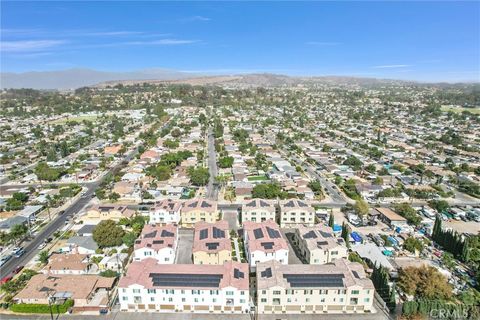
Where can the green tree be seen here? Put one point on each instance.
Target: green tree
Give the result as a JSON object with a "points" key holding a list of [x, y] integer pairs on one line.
{"points": [[129, 239], [43, 256], [198, 176], [361, 207], [331, 220], [424, 282], [225, 162], [413, 244], [108, 234], [18, 231]]}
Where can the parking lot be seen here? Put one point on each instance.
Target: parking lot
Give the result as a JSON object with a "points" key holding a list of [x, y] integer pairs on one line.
{"points": [[184, 248]]}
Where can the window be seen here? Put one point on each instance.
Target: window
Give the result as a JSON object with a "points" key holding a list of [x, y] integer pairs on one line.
{"points": [[170, 299], [124, 290], [264, 291], [334, 253], [289, 299], [341, 299], [229, 293], [213, 292], [276, 292], [136, 290], [137, 299], [183, 299], [242, 300], [152, 299], [242, 293], [307, 291], [124, 298], [307, 300], [366, 300], [322, 300], [289, 291], [355, 291], [151, 291], [263, 300], [196, 299]]}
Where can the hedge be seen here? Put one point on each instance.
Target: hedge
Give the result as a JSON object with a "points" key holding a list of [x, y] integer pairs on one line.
{"points": [[41, 308]]}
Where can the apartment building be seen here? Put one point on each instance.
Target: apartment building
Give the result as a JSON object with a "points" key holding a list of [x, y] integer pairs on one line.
{"points": [[263, 242], [340, 287], [158, 242], [196, 210], [319, 245], [295, 212], [211, 243], [166, 211], [258, 210], [152, 287]]}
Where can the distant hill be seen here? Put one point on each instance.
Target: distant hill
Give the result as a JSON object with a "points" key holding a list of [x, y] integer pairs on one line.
{"points": [[76, 78]]}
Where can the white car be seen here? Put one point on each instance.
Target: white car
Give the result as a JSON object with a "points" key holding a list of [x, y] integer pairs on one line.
{"points": [[42, 245]]}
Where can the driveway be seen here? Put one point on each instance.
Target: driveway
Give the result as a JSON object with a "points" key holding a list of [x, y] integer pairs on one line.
{"points": [[294, 257], [232, 217], [184, 248]]}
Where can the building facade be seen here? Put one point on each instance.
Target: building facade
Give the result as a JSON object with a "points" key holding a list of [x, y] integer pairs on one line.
{"points": [[263, 242], [295, 212], [319, 245], [152, 287], [211, 243], [158, 242], [196, 210], [258, 210], [166, 211], [341, 287]]}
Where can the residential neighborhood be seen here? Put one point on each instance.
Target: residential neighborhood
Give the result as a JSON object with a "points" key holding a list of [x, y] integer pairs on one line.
{"points": [[330, 198]]}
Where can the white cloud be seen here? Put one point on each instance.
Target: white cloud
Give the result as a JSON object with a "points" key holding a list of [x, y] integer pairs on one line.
{"points": [[28, 45], [160, 42], [392, 66]]}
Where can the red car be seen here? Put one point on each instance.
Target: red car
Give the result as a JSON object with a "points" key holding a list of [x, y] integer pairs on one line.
{"points": [[5, 279], [18, 269]]}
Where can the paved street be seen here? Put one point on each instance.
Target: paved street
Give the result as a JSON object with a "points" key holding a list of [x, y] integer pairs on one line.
{"points": [[212, 189]]}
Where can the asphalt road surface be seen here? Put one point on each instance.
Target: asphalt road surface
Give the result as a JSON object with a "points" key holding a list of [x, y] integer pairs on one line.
{"points": [[212, 188]]}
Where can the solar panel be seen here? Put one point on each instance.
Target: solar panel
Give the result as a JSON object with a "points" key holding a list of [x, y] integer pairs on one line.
{"points": [[212, 245], [289, 204], [267, 245], [264, 204], [250, 204], [314, 280], [151, 234], [157, 241], [258, 233], [237, 274], [186, 280], [272, 233], [310, 235], [302, 204], [218, 233], [166, 233], [205, 204], [322, 243], [203, 234], [267, 273], [325, 234], [193, 204]]}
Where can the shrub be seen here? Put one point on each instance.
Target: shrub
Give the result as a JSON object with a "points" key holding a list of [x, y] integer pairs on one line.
{"points": [[41, 308]]}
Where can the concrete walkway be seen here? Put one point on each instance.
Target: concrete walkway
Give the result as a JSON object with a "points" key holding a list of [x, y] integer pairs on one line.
{"points": [[237, 249]]}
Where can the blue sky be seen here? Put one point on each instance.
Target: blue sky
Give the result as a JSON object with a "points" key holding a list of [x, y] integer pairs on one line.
{"points": [[425, 41]]}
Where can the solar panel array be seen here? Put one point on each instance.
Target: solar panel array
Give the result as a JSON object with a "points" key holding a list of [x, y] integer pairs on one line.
{"points": [[218, 233], [237, 274], [258, 233], [250, 204], [186, 280], [289, 204], [314, 280], [203, 234], [325, 234], [157, 241], [267, 245], [212, 245], [264, 204], [152, 234], [302, 204], [166, 233], [267, 273], [310, 235], [322, 243], [205, 204], [272, 233]]}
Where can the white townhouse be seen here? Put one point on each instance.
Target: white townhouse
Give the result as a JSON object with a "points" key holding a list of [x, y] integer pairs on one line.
{"points": [[258, 210], [158, 242], [295, 212], [166, 211], [152, 287], [340, 287], [263, 242], [319, 245]]}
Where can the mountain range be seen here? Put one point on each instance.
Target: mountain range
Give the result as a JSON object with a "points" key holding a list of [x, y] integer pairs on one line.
{"points": [[76, 78]]}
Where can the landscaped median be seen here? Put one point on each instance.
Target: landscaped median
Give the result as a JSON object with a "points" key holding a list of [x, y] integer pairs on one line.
{"points": [[41, 308]]}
